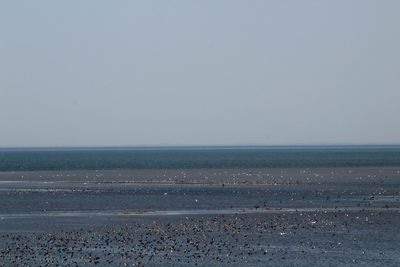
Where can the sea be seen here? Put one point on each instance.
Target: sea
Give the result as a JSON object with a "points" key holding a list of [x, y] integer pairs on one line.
{"points": [[35, 159], [200, 206]]}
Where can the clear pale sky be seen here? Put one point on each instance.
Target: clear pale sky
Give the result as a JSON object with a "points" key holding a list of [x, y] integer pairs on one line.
{"points": [[101, 73]]}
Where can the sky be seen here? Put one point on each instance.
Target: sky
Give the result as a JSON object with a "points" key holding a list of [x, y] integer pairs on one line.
{"points": [[128, 73]]}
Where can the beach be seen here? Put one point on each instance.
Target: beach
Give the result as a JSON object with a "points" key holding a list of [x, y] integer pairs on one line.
{"points": [[201, 217]]}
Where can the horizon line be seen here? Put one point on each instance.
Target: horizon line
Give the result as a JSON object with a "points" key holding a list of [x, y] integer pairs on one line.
{"points": [[226, 146]]}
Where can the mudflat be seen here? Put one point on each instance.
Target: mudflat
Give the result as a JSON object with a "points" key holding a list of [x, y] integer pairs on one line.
{"points": [[201, 217]]}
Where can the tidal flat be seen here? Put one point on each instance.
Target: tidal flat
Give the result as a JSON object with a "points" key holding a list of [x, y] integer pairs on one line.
{"points": [[201, 217]]}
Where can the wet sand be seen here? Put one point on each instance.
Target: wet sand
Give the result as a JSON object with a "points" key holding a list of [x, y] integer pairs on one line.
{"points": [[201, 217]]}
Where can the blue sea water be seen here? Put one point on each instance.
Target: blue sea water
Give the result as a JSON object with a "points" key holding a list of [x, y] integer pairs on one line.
{"points": [[198, 157]]}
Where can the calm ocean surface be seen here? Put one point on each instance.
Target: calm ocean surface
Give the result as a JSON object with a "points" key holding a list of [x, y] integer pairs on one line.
{"points": [[198, 157]]}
